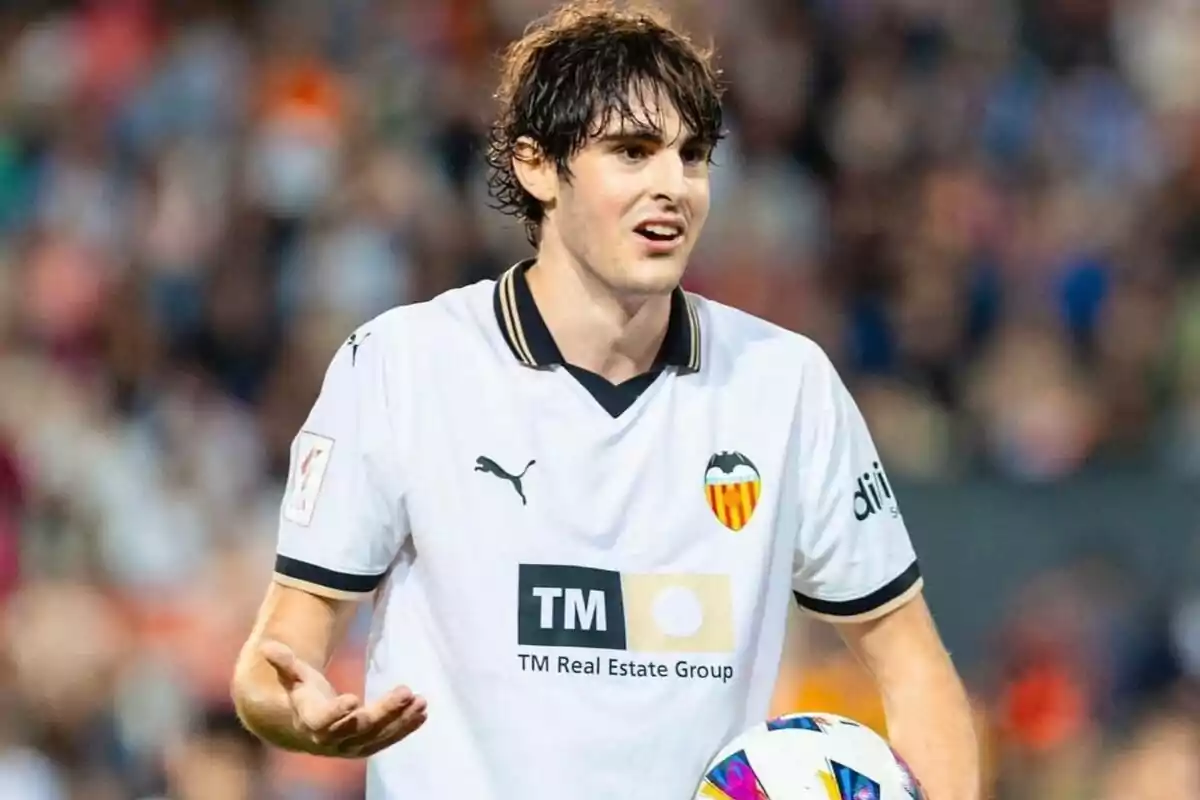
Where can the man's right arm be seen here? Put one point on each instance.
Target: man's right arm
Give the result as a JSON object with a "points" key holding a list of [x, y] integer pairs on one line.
{"points": [[341, 525], [311, 627]]}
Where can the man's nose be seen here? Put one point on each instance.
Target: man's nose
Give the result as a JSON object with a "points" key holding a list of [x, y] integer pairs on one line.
{"points": [[668, 176]]}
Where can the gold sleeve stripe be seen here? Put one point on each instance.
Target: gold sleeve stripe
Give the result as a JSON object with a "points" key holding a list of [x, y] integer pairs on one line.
{"points": [[874, 613], [888, 597], [330, 579], [318, 589]]}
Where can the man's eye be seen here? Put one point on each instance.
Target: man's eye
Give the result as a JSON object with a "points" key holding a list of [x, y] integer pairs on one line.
{"points": [[631, 152]]}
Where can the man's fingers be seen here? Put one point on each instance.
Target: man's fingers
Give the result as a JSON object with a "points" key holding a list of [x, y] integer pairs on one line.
{"points": [[412, 718], [390, 705], [393, 729], [319, 715], [281, 657], [295, 673], [311, 696], [364, 721]]}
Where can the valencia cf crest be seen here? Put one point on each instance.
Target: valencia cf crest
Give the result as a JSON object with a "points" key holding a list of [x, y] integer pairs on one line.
{"points": [[732, 486]]}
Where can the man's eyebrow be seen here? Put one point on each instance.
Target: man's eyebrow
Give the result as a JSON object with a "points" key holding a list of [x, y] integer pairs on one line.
{"points": [[648, 134], [633, 132]]}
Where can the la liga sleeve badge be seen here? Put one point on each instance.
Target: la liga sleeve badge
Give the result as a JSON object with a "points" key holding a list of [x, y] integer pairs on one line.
{"points": [[309, 466]]}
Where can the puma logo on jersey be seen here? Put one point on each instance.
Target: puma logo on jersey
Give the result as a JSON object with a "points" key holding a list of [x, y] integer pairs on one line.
{"points": [[486, 465]]}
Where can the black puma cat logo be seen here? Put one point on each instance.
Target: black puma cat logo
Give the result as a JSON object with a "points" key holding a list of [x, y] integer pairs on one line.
{"points": [[485, 464]]}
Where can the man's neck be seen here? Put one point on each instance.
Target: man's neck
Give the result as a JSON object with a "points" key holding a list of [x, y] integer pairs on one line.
{"points": [[614, 337]]}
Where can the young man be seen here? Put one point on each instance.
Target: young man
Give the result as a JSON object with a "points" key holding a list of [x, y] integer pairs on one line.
{"points": [[580, 497]]}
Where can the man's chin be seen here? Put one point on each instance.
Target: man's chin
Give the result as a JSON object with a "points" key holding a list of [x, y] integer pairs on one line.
{"points": [[653, 276]]}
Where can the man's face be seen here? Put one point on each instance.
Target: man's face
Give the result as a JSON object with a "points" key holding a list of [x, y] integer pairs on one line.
{"points": [[635, 202]]}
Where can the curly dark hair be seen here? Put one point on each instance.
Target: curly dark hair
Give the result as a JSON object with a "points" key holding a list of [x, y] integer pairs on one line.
{"points": [[562, 83]]}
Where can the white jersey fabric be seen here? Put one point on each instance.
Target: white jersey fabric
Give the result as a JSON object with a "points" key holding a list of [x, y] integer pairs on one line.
{"points": [[588, 583]]}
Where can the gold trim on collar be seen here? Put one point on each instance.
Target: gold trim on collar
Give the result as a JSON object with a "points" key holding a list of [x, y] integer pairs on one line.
{"points": [[512, 318], [694, 324]]}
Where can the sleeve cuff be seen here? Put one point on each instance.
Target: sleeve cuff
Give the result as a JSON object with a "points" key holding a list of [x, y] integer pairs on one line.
{"points": [[883, 600], [322, 581]]}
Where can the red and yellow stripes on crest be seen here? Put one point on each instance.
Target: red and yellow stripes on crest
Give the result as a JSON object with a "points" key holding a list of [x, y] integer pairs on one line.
{"points": [[734, 503]]}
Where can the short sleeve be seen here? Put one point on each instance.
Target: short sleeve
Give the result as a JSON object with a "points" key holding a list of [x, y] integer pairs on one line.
{"points": [[854, 559], [341, 521]]}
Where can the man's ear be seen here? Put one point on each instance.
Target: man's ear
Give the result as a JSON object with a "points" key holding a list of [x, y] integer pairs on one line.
{"points": [[538, 175]]}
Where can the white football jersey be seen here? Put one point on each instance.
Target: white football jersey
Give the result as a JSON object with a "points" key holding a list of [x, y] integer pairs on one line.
{"points": [[589, 583]]}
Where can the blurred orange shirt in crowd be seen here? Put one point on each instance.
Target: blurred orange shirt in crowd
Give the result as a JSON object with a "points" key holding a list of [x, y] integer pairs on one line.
{"points": [[836, 685], [301, 90], [839, 684]]}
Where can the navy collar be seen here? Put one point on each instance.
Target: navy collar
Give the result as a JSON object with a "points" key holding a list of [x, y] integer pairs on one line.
{"points": [[531, 343]]}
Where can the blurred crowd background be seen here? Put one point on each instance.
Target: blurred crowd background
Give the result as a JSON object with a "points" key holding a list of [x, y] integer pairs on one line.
{"points": [[987, 211]]}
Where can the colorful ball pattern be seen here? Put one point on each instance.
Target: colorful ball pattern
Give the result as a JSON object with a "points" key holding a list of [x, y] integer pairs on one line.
{"points": [[809, 756]]}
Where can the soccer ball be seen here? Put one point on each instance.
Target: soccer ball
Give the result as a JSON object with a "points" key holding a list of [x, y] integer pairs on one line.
{"points": [[808, 756]]}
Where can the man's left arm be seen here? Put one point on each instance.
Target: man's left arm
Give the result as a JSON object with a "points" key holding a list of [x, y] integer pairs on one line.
{"points": [[929, 716], [855, 566]]}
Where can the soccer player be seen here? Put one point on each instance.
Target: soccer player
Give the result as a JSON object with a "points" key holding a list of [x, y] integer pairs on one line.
{"points": [[579, 498]]}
